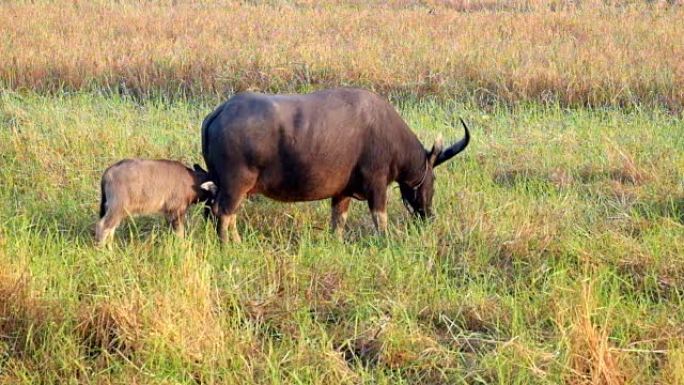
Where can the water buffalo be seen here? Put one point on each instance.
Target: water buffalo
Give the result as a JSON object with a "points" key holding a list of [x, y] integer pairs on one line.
{"points": [[340, 143], [141, 186]]}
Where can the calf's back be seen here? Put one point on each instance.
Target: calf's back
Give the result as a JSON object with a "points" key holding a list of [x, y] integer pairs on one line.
{"points": [[142, 186]]}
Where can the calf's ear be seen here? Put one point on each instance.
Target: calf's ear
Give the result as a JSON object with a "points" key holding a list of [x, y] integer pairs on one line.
{"points": [[198, 168], [209, 186]]}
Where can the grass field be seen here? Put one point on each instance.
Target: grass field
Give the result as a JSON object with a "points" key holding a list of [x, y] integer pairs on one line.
{"points": [[557, 256], [557, 253]]}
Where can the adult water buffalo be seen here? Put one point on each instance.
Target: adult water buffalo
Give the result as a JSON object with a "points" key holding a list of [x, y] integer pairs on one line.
{"points": [[340, 143]]}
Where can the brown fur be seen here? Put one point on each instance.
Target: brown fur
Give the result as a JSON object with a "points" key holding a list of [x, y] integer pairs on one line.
{"points": [[341, 144], [139, 186]]}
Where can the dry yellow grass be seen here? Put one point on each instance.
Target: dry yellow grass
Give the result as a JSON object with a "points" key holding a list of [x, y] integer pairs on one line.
{"points": [[591, 358], [624, 54]]}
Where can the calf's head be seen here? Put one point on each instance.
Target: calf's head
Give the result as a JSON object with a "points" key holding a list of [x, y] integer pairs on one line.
{"points": [[417, 196], [207, 188]]}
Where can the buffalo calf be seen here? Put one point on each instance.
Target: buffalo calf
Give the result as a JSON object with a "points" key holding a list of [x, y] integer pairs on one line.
{"points": [[140, 186]]}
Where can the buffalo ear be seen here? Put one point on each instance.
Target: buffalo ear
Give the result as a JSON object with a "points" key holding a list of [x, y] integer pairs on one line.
{"points": [[209, 186], [436, 150], [454, 149], [198, 168]]}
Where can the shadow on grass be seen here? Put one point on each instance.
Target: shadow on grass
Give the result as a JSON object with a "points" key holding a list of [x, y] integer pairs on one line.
{"points": [[271, 224], [563, 178], [670, 207], [78, 226]]}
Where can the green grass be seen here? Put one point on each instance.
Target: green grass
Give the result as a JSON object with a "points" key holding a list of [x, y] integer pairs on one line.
{"points": [[557, 256]]}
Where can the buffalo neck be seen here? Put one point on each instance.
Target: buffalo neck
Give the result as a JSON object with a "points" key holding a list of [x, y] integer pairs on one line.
{"points": [[412, 168]]}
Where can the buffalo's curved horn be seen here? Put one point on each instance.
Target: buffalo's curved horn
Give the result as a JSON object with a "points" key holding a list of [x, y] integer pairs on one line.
{"points": [[455, 148]]}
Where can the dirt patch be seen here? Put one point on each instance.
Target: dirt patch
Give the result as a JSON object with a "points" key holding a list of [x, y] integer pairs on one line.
{"points": [[365, 350]]}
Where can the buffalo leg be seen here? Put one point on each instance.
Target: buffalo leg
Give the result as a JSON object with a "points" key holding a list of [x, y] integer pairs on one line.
{"points": [[228, 218], [377, 203], [227, 221], [228, 202], [340, 205]]}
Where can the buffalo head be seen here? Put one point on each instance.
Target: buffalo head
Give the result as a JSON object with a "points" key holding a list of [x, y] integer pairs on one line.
{"points": [[417, 196]]}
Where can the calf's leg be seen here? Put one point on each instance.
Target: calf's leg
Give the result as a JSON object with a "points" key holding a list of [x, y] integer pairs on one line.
{"points": [[177, 223], [105, 227]]}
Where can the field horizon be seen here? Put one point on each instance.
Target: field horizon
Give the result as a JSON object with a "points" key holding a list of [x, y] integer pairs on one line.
{"points": [[574, 54]]}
